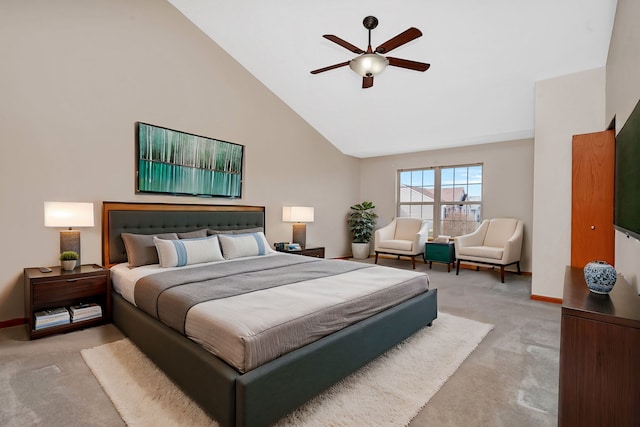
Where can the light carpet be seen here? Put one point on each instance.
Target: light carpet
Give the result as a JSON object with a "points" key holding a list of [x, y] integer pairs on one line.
{"points": [[389, 391]]}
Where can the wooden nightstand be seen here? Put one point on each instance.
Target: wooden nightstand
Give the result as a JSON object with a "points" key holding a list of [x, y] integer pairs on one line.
{"points": [[309, 250], [440, 252], [85, 285]]}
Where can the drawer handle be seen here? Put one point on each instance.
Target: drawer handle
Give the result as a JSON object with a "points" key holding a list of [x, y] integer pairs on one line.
{"points": [[83, 278]]}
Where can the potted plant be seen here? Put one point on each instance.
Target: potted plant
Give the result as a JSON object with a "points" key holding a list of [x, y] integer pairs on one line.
{"points": [[68, 260], [361, 222]]}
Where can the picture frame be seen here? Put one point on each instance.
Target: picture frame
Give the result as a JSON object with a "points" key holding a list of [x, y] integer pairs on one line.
{"points": [[173, 162]]}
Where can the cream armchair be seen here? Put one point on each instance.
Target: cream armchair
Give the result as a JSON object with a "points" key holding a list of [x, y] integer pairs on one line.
{"points": [[402, 237], [497, 242]]}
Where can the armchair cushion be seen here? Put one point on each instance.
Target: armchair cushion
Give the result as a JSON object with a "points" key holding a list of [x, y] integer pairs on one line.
{"points": [[482, 252], [406, 229], [500, 230], [401, 245]]}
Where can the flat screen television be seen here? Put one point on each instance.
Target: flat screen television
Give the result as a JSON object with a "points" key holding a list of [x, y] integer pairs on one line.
{"points": [[627, 177], [179, 163]]}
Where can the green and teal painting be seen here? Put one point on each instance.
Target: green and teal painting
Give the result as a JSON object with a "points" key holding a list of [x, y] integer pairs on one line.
{"points": [[175, 162]]}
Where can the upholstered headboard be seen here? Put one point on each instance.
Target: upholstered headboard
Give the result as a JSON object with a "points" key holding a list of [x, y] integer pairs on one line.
{"points": [[154, 218]]}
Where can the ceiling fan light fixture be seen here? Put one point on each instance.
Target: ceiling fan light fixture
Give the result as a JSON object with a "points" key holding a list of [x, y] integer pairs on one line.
{"points": [[369, 64]]}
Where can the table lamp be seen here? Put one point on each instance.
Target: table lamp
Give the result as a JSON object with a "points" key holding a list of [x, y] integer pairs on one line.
{"points": [[69, 214], [300, 215]]}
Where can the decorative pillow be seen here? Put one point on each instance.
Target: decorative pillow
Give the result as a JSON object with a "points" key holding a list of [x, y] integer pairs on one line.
{"points": [[140, 248], [196, 234], [211, 232], [242, 245], [178, 253]]}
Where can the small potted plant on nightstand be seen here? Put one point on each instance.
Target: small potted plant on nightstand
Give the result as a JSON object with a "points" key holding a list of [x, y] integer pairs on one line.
{"points": [[361, 222], [68, 260]]}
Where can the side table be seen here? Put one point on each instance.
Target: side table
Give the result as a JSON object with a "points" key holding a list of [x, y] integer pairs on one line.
{"points": [[444, 253], [59, 288]]}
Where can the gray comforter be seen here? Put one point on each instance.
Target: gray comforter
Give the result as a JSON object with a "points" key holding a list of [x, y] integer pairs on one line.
{"points": [[168, 296]]}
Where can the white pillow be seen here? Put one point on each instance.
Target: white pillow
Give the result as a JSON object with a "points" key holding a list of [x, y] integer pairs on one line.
{"points": [[178, 253], [242, 245]]}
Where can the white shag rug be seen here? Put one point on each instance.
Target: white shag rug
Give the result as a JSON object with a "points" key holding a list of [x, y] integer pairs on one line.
{"points": [[389, 391]]}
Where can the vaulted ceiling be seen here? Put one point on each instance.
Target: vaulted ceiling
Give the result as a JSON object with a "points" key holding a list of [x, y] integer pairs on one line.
{"points": [[485, 57]]}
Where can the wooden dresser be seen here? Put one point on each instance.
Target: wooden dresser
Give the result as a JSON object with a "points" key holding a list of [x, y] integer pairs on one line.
{"points": [[599, 355]]}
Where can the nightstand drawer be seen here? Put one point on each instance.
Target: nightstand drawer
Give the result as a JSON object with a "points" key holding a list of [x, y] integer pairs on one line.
{"points": [[309, 250], [63, 290], [315, 252]]}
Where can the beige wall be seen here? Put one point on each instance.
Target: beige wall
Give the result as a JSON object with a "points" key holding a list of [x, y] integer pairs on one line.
{"points": [[565, 106], [623, 92], [77, 75], [507, 180]]}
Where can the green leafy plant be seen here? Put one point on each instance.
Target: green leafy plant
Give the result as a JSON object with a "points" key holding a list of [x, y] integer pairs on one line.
{"points": [[68, 256], [362, 221]]}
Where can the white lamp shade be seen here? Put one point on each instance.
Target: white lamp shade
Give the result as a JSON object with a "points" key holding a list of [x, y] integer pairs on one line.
{"points": [[297, 214], [68, 214], [369, 64]]}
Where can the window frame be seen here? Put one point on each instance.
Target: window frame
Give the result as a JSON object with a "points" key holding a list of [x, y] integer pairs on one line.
{"points": [[437, 203]]}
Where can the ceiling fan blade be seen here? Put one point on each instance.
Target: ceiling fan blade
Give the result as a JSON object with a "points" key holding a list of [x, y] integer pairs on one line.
{"points": [[330, 67], [405, 63], [343, 43], [367, 82], [402, 38]]}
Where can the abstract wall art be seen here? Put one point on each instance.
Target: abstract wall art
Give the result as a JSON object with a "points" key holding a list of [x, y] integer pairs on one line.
{"points": [[179, 163]]}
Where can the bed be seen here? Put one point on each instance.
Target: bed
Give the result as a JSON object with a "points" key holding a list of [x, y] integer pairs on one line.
{"points": [[263, 391]]}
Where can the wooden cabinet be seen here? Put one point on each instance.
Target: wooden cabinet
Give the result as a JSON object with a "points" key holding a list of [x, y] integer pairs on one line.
{"points": [[440, 252], [59, 288], [592, 233], [599, 355]]}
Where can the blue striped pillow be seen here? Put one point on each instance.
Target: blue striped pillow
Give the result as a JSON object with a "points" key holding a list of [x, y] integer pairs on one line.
{"points": [[243, 245], [178, 253]]}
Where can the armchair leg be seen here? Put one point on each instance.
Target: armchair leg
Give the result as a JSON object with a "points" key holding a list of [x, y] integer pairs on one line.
{"points": [[458, 267], [502, 273], [376, 261], [413, 262], [518, 265]]}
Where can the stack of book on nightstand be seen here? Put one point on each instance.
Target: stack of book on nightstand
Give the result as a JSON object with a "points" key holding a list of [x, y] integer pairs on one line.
{"points": [[85, 312], [52, 317]]}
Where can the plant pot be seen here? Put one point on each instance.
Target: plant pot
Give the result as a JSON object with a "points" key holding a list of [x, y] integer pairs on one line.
{"points": [[68, 265], [600, 277], [360, 250]]}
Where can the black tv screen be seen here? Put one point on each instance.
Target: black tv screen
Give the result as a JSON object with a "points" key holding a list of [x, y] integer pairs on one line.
{"points": [[627, 176]]}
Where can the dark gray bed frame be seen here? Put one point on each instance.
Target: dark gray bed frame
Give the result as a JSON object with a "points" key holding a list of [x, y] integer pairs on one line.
{"points": [[269, 392]]}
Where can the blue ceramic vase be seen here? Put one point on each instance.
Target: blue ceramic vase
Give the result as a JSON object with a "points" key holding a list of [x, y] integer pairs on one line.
{"points": [[600, 277]]}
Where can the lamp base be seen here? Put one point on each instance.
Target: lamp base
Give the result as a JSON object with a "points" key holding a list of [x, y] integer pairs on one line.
{"points": [[70, 241], [300, 234]]}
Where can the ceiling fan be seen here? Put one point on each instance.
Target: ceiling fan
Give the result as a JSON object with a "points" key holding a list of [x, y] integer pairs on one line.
{"points": [[372, 62]]}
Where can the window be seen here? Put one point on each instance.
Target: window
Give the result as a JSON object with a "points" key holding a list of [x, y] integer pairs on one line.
{"points": [[450, 198]]}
